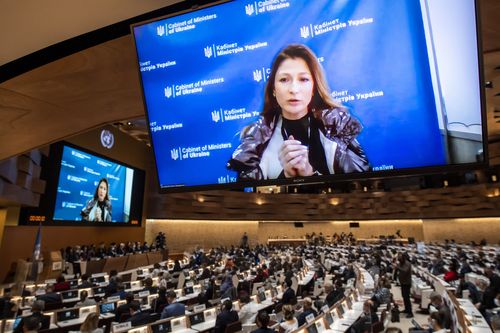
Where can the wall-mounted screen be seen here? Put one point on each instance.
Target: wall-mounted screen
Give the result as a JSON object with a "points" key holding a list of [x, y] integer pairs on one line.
{"points": [[293, 91], [87, 189], [93, 189]]}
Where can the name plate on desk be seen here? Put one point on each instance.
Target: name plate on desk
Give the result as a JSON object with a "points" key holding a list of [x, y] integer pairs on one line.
{"points": [[324, 308], [122, 327], [103, 284], [310, 318], [189, 284], [176, 324], [57, 266], [198, 308], [144, 293], [98, 274], [143, 329], [113, 299], [320, 326]]}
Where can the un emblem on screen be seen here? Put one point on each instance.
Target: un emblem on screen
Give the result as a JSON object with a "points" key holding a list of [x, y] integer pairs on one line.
{"points": [[174, 153], [107, 139], [249, 9]]}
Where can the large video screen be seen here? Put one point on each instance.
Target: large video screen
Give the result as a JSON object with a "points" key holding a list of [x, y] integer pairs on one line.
{"points": [[92, 189], [288, 91]]}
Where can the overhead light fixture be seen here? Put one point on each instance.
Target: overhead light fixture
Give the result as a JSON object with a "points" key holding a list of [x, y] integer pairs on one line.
{"points": [[493, 193], [334, 201]]}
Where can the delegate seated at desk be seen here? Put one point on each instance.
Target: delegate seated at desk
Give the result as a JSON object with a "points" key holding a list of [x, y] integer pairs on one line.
{"points": [[173, 309], [226, 317], [289, 294], [308, 309], [367, 318], [137, 317], [36, 312]]}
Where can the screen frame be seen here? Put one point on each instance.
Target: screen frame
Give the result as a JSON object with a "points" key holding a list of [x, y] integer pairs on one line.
{"points": [[323, 179], [48, 200]]}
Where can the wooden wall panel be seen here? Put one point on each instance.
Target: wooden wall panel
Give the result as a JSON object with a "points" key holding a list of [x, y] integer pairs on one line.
{"points": [[187, 234], [463, 230], [367, 229], [475, 200], [18, 241]]}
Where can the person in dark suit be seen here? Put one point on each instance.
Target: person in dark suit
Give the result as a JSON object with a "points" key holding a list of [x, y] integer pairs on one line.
{"points": [[366, 320], [36, 311], [334, 295], [85, 282], [161, 301], [148, 286], [32, 324], [137, 317], [289, 294], [124, 308], [263, 321], [50, 297], [437, 305], [173, 309], [226, 317], [403, 267]]}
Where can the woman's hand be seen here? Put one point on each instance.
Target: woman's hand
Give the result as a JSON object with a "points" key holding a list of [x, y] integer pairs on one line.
{"points": [[294, 158]]}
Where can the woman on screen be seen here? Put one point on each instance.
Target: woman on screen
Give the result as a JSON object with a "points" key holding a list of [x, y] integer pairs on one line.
{"points": [[302, 130], [98, 208]]}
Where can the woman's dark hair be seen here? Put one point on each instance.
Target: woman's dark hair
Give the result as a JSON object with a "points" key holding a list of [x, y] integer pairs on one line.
{"points": [[148, 282], [263, 319], [245, 298], [103, 180], [83, 295], [228, 305], [321, 92]]}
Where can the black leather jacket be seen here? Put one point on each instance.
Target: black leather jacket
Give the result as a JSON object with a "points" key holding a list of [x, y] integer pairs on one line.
{"points": [[336, 124]]}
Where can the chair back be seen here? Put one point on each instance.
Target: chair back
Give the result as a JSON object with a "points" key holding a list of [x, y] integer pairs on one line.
{"points": [[233, 327]]}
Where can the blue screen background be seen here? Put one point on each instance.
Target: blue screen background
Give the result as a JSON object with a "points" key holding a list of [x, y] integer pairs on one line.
{"points": [[78, 178], [388, 55]]}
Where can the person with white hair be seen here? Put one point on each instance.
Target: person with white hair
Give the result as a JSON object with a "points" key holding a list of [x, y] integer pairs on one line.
{"points": [[308, 309]]}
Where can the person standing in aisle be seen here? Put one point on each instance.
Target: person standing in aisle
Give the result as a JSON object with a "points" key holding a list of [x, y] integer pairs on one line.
{"points": [[403, 266]]}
